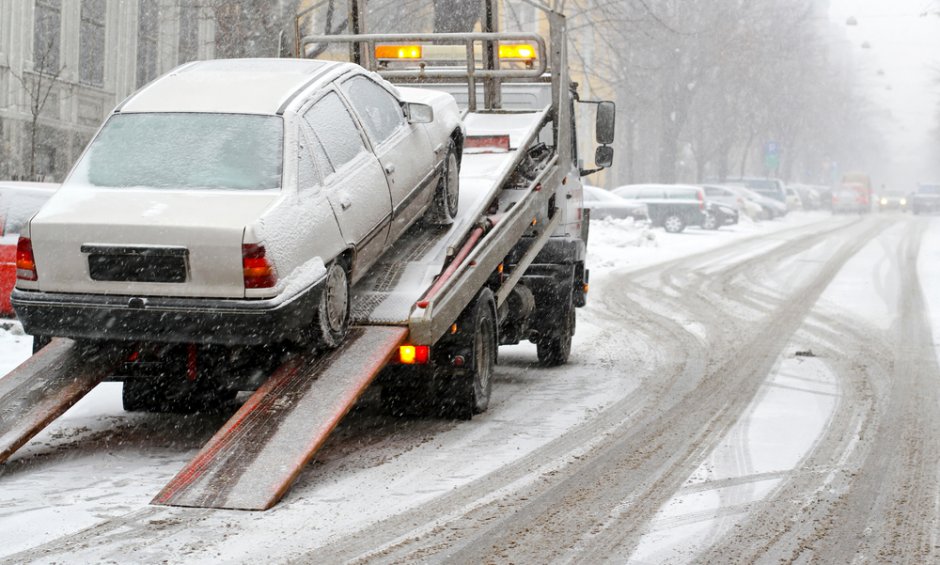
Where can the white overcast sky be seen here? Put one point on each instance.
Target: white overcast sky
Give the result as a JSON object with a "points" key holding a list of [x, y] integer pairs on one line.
{"points": [[901, 73]]}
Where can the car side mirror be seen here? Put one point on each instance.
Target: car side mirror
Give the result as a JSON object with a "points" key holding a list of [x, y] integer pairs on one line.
{"points": [[417, 113], [604, 126]]}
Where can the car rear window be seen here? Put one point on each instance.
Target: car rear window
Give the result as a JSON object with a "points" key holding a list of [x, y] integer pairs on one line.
{"points": [[929, 189], [185, 151]]}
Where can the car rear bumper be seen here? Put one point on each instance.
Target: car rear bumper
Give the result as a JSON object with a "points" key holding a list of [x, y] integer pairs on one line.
{"points": [[164, 319]]}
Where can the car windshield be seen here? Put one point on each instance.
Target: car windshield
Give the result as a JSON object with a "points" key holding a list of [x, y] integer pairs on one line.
{"points": [[185, 151], [930, 189]]}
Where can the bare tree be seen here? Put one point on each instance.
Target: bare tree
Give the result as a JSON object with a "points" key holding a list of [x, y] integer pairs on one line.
{"points": [[38, 86]]}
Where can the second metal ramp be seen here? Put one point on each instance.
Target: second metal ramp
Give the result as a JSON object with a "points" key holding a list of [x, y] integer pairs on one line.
{"points": [[46, 385], [251, 462]]}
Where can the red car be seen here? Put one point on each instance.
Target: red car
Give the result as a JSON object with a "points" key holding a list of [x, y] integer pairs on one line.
{"points": [[18, 202]]}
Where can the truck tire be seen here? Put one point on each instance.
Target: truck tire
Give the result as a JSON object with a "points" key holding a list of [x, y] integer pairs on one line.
{"points": [[554, 349], [443, 208], [673, 223], [467, 391], [180, 397], [331, 320]]}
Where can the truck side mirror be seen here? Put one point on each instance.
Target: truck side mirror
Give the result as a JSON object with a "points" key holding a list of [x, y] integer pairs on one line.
{"points": [[604, 156], [417, 113], [604, 128]]}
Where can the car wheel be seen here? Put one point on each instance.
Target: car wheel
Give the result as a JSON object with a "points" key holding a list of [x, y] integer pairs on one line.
{"points": [[673, 223], [711, 222], [447, 197], [331, 321]]}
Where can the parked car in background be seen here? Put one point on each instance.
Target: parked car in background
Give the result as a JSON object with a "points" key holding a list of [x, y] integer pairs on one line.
{"points": [[19, 201], [926, 198], [672, 206], [605, 204], [241, 199], [851, 197], [809, 196], [769, 187], [731, 196], [718, 214], [770, 207], [794, 202]]}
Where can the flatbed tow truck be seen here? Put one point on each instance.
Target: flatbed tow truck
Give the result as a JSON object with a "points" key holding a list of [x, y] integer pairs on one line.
{"points": [[429, 317]]}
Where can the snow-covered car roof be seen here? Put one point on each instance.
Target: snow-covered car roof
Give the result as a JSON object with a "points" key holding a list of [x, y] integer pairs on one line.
{"points": [[237, 86]]}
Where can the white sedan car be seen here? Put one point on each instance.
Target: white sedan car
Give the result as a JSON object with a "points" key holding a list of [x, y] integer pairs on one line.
{"points": [[235, 202], [605, 204]]}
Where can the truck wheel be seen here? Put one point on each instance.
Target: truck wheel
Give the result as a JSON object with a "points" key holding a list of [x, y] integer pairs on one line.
{"points": [[673, 223], [554, 350], [180, 397], [447, 197], [331, 320], [468, 392]]}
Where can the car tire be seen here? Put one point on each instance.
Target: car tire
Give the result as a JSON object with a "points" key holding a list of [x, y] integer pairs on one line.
{"points": [[673, 223], [710, 222], [447, 196], [554, 350], [331, 320]]}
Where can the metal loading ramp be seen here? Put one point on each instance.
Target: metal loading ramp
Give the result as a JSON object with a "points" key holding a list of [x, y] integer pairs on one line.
{"points": [[251, 462], [47, 384]]}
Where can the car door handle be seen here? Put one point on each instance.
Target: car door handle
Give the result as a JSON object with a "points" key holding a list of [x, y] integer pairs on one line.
{"points": [[390, 168], [345, 203]]}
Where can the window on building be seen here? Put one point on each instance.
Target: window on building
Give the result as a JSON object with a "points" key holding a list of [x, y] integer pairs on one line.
{"points": [[91, 48], [189, 33], [47, 26], [148, 25]]}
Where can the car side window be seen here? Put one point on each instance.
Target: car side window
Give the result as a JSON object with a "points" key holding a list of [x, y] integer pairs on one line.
{"points": [[648, 193], [380, 112], [308, 170], [332, 124]]}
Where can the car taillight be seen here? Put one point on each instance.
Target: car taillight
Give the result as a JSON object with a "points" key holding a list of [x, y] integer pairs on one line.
{"points": [[701, 200], [259, 272], [25, 262]]}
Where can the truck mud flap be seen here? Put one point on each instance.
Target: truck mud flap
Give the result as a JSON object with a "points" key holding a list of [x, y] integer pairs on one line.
{"points": [[251, 462], [46, 385]]}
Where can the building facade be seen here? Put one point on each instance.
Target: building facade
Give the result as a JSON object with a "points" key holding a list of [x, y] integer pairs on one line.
{"points": [[65, 64]]}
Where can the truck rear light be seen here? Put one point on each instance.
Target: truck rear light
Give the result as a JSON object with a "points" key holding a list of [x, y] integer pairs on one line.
{"points": [[25, 262], [414, 354], [258, 270]]}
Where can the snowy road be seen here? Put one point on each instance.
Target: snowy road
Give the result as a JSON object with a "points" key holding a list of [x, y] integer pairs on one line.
{"points": [[760, 394]]}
